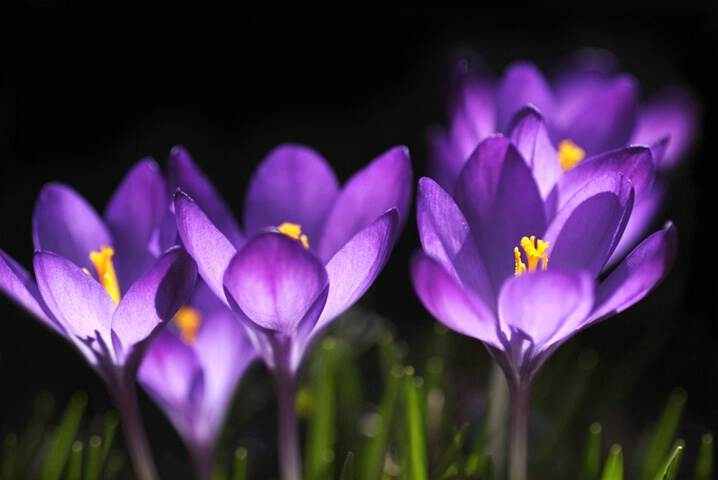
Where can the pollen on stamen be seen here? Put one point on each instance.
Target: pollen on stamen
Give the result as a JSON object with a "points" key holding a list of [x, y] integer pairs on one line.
{"points": [[569, 154], [106, 275], [294, 230], [188, 321], [535, 251]]}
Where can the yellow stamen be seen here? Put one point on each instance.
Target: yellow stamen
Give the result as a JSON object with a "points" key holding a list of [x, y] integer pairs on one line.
{"points": [[535, 251], [106, 271], [569, 154], [294, 230], [188, 320]]}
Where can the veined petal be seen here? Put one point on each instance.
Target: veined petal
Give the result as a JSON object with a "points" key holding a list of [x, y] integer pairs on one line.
{"points": [[446, 237], [292, 184], [584, 233], [77, 300], [635, 163], [530, 135], [205, 243], [352, 269], [637, 275], [184, 174], [17, 284], [500, 199], [154, 299], [444, 160], [275, 282], [385, 183], [673, 112], [521, 84], [539, 309], [64, 223], [452, 304], [132, 215]]}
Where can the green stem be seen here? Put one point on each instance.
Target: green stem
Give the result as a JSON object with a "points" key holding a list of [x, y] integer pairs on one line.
{"points": [[520, 392], [135, 437]]}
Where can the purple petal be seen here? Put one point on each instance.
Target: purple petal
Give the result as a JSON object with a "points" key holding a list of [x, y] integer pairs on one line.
{"points": [[673, 112], [205, 243], [539, 309], [500, 199], [17, 284], [598, 114], [444, 160], [292, 184], [452, 304], [445, 236], [184, 174], [77, 300], [522, 84], [64, 223], [276, 283], [353, 269], [635, 163], [154, 298], [385, 183], [637, 275], [584, 234], [132, 214], [530, 135]]}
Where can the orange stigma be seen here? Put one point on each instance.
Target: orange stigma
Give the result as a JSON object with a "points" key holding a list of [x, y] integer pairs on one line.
{"points": [[569, 154], [188, 320], [535, 251], [106, 271], [294, 230]]}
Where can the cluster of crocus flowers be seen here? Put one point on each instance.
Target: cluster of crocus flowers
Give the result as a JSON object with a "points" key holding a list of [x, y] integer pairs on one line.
{"points": [[590, 106], [515, 245], [98, 283], [309, 249]]}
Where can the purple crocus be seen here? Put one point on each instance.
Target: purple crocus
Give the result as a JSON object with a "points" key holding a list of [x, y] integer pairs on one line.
{"points": [[97, 283], [312, 249], [192, 370], [512, 256], [590, 106]]}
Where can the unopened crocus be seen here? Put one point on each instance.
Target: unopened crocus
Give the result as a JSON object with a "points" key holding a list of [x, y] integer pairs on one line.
{"points": [[312, 249], [514, 258], [97, 282], [192, 370], [590, 107]]}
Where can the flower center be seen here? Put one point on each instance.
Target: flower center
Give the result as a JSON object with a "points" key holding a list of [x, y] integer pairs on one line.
{"points": [[294, 230], [105, 271], [569, 154], [535, 251], [188, 320]]}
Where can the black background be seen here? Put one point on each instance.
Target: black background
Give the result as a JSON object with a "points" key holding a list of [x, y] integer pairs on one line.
{"points": [[86, 93]]}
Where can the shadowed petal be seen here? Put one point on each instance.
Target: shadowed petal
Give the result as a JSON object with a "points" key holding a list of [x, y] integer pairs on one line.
{"points": [[292, 184], [385, 183], [530, 135], [521, 84], [154, 298], [132, 215], [586, 231], [637, 275], [76, 299], [275, 282], [64, 223], [673, 112], [452, 304], [543, 308], [500, 199], [205, 243], [184, 174]]}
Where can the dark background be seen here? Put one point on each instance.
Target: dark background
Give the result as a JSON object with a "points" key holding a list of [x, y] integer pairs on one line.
{"points": [[86, 93]]}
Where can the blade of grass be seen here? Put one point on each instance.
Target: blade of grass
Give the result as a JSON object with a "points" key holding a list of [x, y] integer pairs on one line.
{"points": [[704, 463], [239, 472], [348, 468], [415, 455], [452, 459], [74, 466], [671, 464], [64, 436], [112, 421], [93, 463], [660, 441], [28, 444], [9, 456], [592, 457], [613, 468], [319, 459]]}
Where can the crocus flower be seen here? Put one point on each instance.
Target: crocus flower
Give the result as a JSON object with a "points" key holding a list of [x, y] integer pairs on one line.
{"points": [[96, 283], [192, 370], [589, 106], [513, 257], [312, 249]]}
